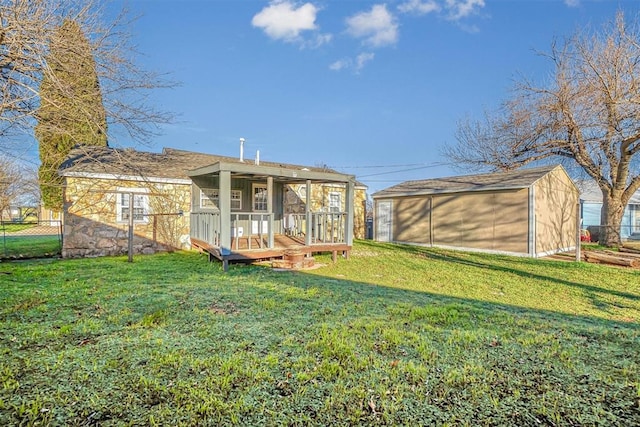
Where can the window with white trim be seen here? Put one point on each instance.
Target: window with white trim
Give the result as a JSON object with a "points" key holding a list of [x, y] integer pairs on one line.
{"points": [[140, 205], [335, 202], [209, 199], [260, 197]]}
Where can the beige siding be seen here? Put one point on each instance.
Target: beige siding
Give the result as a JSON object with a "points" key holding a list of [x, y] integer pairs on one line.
{"points": [[556, 199], [494, 221], [411, 220]]}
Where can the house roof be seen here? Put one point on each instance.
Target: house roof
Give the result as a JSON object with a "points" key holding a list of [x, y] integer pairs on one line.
{"points": [[170, 164], [522, 178], [591, 193]]}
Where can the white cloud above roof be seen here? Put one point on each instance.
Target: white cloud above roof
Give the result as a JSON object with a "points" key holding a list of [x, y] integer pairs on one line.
{"points": [[572, 3], [377, 27], [419, 7], [286, 21]]}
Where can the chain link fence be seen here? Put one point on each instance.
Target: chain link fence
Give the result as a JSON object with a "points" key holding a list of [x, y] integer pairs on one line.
{"points": [[30, 239]]}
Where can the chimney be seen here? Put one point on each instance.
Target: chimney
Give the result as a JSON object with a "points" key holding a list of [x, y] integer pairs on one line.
{"points": [[258, 158], [242, 149]]}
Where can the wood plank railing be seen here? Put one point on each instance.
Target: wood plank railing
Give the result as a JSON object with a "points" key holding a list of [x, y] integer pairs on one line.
{"points": [[249, 225], [205, 226], [257, 230], [326, 227]]}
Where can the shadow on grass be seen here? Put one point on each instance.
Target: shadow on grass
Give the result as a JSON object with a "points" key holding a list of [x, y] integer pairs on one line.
{"points": [[459, 259], [386, 296]]}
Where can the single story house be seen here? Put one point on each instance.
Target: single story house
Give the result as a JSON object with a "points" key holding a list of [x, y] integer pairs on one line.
{"points": [[529, 212], [234, 208], [591, 211]]}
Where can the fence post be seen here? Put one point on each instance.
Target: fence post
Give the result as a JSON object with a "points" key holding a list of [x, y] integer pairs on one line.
{"points": [[578, 233], [4, 239], [131, 227]]}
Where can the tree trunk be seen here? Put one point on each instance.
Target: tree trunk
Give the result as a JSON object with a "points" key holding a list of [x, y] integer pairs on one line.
{"points": [[610, 221]]}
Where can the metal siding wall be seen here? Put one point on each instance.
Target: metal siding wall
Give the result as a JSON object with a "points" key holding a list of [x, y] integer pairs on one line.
{"points": [[511, 227], [411, 216], [556, 199], [487, 221], [448, 219]]}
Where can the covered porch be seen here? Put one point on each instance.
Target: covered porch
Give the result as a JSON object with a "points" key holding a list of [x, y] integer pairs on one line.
{"points": [[247, 220]]}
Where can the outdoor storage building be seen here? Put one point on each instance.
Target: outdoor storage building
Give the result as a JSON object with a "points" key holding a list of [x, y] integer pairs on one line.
{"points": [[528, 212]]}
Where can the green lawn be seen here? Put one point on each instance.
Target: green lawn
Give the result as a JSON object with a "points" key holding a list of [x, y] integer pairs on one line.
{"points": [[393, 336], [10, 227], [29, 246]]}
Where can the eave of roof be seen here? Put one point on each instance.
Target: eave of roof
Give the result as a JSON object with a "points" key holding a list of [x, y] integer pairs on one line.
{"points": [[501, 181], [287, 173]]}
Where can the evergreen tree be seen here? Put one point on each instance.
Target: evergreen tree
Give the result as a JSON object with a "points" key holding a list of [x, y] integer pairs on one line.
{"points": [[71, 110]]}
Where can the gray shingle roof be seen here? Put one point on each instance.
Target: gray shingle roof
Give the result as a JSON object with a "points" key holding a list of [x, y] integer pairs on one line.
{"points": [[591, 193], [521, 178], [171, 163]]}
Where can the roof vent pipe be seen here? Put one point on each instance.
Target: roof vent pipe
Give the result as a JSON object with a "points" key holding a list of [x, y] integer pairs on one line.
{"points": [[258, 157], [242, 149]]}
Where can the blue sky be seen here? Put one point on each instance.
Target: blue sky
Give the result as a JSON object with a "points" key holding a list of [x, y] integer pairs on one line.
{"points": [[369, 88]]}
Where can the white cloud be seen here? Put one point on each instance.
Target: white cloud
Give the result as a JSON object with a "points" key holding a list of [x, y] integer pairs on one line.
{"points": [[356, 64], [572, 3], [462, 8], [419, 7], [362, 59], [377, 27], [340, 64], [286, 20], [317, 41]]}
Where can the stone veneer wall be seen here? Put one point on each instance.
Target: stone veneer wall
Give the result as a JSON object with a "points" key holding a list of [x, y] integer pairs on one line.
{"points": [[296, 196], [90, 218]]}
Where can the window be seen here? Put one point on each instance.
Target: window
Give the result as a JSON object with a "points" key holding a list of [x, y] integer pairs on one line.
{"points": [[236, 200], [335, 202], [140, 205], [260, 197], [209, 199]]}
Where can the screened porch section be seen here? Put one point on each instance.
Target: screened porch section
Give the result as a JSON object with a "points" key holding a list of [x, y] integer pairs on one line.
{"points": [[238, 212]]}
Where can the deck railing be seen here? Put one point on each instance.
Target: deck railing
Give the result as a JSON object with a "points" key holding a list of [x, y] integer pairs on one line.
{"points": [[256, 229], [206, 226], [326, 227]]}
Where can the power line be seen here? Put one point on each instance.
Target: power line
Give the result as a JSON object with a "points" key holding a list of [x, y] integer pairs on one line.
{"points": [[379, 166], [433, 165]]}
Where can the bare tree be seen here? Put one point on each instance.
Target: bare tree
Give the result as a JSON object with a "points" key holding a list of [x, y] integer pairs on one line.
{"points": [[26, 27], [11, 184], [587, 115]]}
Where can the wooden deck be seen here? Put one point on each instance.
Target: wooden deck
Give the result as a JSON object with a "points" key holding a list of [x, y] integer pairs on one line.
{"points": [[283, 245]]}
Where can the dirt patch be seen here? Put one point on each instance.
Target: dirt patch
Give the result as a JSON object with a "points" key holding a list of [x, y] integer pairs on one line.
{"points": [[223, 309]]}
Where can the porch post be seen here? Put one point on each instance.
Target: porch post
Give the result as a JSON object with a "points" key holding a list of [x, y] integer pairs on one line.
{"points": [[270, 210], [307, 211], [224, 204], [349, 204]]}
